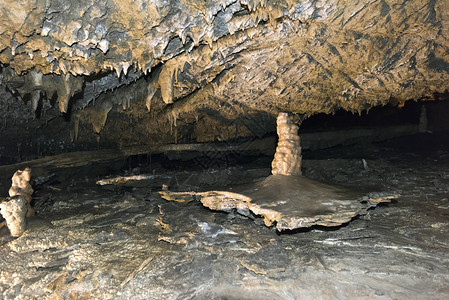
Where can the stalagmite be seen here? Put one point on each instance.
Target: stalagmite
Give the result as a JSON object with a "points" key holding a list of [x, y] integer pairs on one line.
{"points": [[287, 199], [21, 187], [287, 159], [13, 211], [17, 207]]}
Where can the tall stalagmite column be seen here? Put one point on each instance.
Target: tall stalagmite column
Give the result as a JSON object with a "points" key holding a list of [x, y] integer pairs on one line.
{"points": [[287, 159]]}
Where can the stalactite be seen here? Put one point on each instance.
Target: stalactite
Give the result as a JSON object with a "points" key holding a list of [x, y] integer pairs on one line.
{"points": [[100, 116], [35, 97], [64, 94], [166, 83], [151, 90]]}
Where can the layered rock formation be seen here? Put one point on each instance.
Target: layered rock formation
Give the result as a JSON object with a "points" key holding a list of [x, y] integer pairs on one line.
{"points": [[201, 66]]}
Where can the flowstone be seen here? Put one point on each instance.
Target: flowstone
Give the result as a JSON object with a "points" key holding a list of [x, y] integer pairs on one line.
{"points": [[287, 199], [289, 202]]}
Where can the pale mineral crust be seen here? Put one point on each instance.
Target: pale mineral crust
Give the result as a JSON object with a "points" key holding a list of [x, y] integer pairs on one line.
{"points": [[287, 159], [14, 210]]}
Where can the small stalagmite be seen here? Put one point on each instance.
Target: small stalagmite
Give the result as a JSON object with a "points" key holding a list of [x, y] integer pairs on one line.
{"points": [[13, 211], [287, 159], [21, 186], [17, 206]]}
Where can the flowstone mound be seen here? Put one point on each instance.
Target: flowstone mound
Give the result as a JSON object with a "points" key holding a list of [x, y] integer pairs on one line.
{"points": [[287, 199], [289, 202]]}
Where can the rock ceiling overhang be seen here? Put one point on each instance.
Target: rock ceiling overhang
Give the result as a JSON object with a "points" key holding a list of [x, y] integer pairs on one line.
{"points": [[297, 56]]}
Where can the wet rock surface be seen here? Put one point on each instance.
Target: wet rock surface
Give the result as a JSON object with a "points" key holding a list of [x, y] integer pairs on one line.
{"points": [[124, 241]]}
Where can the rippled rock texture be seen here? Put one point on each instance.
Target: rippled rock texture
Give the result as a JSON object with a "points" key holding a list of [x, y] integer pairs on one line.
{"points": [[209, 62]]}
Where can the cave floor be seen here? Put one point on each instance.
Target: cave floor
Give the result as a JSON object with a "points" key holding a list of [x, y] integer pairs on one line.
{"points": [[125, 242]]}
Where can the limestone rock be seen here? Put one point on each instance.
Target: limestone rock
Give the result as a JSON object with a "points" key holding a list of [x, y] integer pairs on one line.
{"points": [[286, 198], [13, 211]]}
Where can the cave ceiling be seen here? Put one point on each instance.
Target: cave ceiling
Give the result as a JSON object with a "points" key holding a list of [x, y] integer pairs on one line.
{"points": [[202, 64]]}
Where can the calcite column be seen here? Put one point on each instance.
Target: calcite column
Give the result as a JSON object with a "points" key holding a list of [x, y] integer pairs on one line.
{"points": [[287, 159], [13, 211]]}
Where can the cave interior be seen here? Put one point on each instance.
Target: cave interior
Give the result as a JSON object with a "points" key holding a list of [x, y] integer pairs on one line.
{"points": [[151, 129]]}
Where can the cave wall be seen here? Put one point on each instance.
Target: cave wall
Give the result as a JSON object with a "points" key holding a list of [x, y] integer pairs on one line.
{"points": [[117, 73]]}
